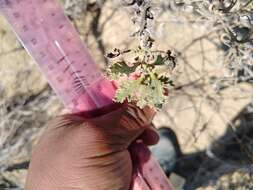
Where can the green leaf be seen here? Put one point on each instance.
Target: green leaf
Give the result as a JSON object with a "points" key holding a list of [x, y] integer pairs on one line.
{"points": [[149, 88], [127, 90], [159, 60], [158, 90], [122, 68]]}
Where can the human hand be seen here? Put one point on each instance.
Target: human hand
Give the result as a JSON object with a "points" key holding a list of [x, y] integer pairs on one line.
{"points": [[89, 154]]}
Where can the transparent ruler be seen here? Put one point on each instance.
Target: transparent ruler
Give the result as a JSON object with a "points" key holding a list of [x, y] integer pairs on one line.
{"points": [[55, 45], [53, 42]]}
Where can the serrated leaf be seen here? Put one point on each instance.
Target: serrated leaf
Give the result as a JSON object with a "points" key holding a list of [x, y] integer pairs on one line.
{"points": [[149, 88], [158, 90], [122, 68], [127, 90]]}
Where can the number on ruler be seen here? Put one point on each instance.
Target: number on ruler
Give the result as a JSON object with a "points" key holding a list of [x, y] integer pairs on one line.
{"points": [[67, 91], [42, 54], [4, 3], [75, 102], [98, 75], [25, 28], [34, 41], [16, 14], [93, 77], [50, 67], [59, 79], [61, 26]]}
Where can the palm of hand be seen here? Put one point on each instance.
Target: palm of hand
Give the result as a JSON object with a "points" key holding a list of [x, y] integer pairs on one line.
{"points": [[75, 153]]}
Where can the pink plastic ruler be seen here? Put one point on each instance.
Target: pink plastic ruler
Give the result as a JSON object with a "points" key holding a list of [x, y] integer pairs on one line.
{"points": [[53, 42]]}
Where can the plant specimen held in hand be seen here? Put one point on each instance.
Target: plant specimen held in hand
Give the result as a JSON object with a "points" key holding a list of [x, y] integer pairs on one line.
{"points": [[143, 75]]}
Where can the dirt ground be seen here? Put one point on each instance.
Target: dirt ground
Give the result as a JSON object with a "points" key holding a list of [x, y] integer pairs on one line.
{"points": [[200, 117]]}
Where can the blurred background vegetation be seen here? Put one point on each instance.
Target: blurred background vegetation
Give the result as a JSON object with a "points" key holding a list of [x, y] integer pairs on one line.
{"points": [[210, 108]]}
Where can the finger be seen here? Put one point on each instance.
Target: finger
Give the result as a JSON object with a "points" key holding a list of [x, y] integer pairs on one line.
{"points": [[145, 115], [129, 111], [149, 136], [127, 122], [119, 128]]}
